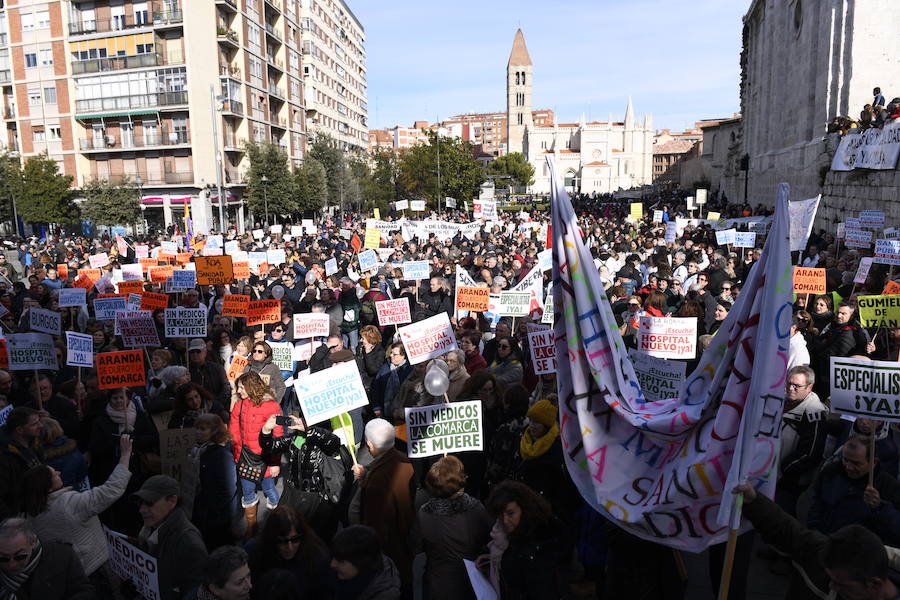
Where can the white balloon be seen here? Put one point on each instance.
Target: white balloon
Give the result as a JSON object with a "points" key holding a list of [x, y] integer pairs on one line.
{"points": [[219, 304], [277, 292], [439, 364], [436, 382]]}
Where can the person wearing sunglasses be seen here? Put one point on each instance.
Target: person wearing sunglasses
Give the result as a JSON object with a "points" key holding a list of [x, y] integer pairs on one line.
{"points": [[30, 568], [507, 364], [262, 364]]}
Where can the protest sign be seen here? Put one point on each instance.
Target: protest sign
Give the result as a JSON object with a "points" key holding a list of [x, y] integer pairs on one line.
{"points": [[174, 445], [472, 298], [668, 337], [660, 379], [862, 273], [373, 238], [79, 350], [260, 312], [542, 342], [4, 358], [151, 301], [276, 256], [450, 202], [416, 269], [417, 206], [368, 260], [132, 272], [62, 271], [137, 328], [30, 351], [185, 322], [887, 252], [744, 239], [282, 355], [169, 247], [809, 281], [401, 204], [121, 369], [428, 338], [146, 263], [841, 230], [330, 392], [235, 305], [214, 270], [345, 233], [131, 287], [133, 303], [657, 216], [891, 288], [700, 196], [802, 214], [72, 297], [45, 321], [874, 148], [879, 311], [93, 274], [866, 388], [237, 366], [514, 304], [444, 428], [132, 564], [547, 317], [713, 216], [105, 309], [393, 312], [636, 211], [726, 236], [533, 283], [671, 232], [871, 218], [160, 274], [307, 325], [98, 261], [141, 251], [185, 279], [331, 266], [857, 238], [241, 269]]}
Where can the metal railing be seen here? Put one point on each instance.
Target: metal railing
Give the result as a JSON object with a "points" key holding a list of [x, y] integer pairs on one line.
{"points": [[111, 142], [128, 102], [270, 29], [165, 17], [231, 3], [276, 91], [116, 63], [233, 106], [233, 176], [230, 141], [105, 25], [227, 34], [146, 178], [229, 71]]}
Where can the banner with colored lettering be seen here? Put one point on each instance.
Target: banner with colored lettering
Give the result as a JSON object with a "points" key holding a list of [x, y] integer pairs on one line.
{"points": [[663, 470]]}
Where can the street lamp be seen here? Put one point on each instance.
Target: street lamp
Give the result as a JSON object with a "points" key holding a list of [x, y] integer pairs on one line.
{"points": [[140, 189], [265, 182]]}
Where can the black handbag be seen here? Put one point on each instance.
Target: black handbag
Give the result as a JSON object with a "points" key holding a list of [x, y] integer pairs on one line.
{"points": [[251, 466]]}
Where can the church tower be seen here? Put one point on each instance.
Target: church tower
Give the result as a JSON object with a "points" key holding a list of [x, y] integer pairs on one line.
{"points": [[518, 94]]}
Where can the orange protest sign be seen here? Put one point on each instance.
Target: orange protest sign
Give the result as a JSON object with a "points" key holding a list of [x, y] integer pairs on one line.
{"points": [[83, 281], [809, 281], [118, 295], [183, 258], [263, 311], [237, 366], [160, 274], [131, 287], [355, 243], [4, 354], [165, 257], [262, 269], [153, 301], [472, 298], [63, 271], [234, 305], [241, 269], [213, 270], [93, 274], [146, 263], [121, 369], [891, 289]]}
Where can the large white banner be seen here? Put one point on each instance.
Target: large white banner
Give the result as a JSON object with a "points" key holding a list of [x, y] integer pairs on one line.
{"points": [[428, 339], [330, 392], [872, 149]]}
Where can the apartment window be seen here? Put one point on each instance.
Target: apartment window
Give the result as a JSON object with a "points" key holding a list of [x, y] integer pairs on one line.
{"points": [[141, 16], [117, 12], [30, 60], [54, 133], [27, 21], [34, 98], [50, 95], [46, 58], [42, 19], [253, 35], [255, 68], [144, 48], [38, 135]]}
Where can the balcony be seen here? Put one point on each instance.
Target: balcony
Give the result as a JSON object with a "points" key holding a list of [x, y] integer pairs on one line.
{"points": [[9, 112], [233, 144], [111, 142], [5, 76], [117, 63], [270, 29], [233, 107], [228, 36], [273, 5], [167, 17], [234, 177], [230, 5], [229, 71], [122, 23], [275, 62], [149, 179], [117, 103], [276, 91], [4, 39], [277, 121]]}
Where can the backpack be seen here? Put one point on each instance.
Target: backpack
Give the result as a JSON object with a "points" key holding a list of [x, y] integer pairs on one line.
{"points": [[336, 476]]}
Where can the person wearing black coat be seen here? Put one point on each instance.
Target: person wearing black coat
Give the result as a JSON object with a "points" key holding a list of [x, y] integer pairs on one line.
{"points": [[51, 570], [842, 337], [385, 389], [60, 408], [369, 354], [216, 483], [437, 298]]}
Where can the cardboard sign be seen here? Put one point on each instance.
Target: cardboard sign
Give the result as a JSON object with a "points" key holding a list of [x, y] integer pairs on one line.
{"points": [[260, 312], [368, 260], [668, 337], [121, 369], [137, 328], [105, 309], [428, 338], [93, 274], [79, 350], [373, 238], [862, 273], [98, 261], [745, 239], [401, 204], [393, 312], [214, 270], [151, 301], [415, 270], [636, 211], [809, 281], [237, 367], [307, 325], [660, 379], [72, 297], [891, 288], [713, 216], [330, 392], [879, 311], [174, 445], [133, 564], [887, 252], [31, 351], [160, 274], [514, 304], [542, 343], [865, 388], [443, 428], [185, 322], [725, 237], [235, 305], [282, 355], [472, 298], [62, 271], [45, 321], [355, 243], [131, 287], [241, 269]]}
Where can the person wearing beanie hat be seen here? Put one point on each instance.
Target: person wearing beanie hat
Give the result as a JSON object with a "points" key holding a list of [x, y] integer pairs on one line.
{"points": [[540, 450], [543, 412]]}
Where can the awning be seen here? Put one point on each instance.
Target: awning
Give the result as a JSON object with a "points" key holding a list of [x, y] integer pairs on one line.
{"points": [[125, 113]]}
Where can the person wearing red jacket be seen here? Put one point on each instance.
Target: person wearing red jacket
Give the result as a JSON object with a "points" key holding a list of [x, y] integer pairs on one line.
{"points": [[251, 412]]}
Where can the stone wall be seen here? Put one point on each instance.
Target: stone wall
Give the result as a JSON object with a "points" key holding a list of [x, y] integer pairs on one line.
{"points": [[847, 192]]}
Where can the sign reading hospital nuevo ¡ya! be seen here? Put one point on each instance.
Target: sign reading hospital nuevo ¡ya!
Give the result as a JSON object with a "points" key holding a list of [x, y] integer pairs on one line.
{"points": [[809, 281], [427, 339], [30, 351], [307, 325], [866, 388], [121, 369], [185, 322], [542, 342], [660, 379], [668, 337], [132, 564], [442, 428], [879, 311], [393, 312], [330, 392]]}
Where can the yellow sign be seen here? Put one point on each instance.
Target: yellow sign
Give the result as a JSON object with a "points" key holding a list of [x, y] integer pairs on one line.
{"points": [[637, 211], [713, 216], [879, 311], [373, 238], [378, 213]]}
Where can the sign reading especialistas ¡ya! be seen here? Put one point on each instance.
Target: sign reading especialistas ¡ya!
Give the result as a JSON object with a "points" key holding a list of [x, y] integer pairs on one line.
{"points": [[866, 388], [330, 392], [427, 339], [668, 337], [440, 428]]}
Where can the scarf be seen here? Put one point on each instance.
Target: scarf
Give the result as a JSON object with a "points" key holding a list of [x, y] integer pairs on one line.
{"points": [[530, 449], [205, 594], [124, 418], [10, 584], [496, 547]]}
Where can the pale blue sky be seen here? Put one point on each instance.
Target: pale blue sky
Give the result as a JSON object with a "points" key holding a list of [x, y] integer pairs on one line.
{"points": [[677, 59]]}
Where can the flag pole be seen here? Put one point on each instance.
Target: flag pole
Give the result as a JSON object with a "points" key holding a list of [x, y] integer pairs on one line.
{"points": [[731, 546]]}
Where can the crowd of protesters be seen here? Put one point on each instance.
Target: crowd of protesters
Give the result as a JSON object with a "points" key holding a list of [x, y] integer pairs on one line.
{"points": [[269, 506]]}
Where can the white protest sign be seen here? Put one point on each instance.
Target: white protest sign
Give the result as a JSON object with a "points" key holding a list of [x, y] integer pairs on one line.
{"points": [[668, 337], [330, 392], [132, 564], [134, 303], [659, 378], [657, 216], [282, 355], [417, 205], [105, 309], [514, 304], [331, 266], [533, 283], [79, 350], [442, 428], [865, 388], [231, 247], [545, 260], [744, 239], [401, 204], [725, 236], [862, 273], [72, 297], [276, 256], [841, 230], [142, 251], [416, 269], [368, 260], [542, 343], [701, 195], [133, 272], [547, 317], [137, 328], [450, 202], [275, 229], [871, 218], [887, 252], [258, 234], [45, 321], [428, 338], [393, 312], [802, 215], [489, 210], [307, 325], [671, 232], [857, 238], [309, 226], [185, 322], [98, 260], [346, 233], [31, 351], [184, 279]]}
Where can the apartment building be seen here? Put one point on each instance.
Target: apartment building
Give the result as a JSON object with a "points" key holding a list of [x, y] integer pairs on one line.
{"points": [[162, 94], [334, 70]]}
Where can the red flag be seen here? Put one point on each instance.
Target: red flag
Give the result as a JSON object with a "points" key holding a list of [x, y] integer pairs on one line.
{"points": [[549, 236]]}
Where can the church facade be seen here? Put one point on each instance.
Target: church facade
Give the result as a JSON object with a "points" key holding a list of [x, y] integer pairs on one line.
{"points": [[600, 157]]}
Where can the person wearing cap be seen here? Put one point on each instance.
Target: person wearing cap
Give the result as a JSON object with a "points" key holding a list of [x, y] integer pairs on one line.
{"points": [[208, 374], [170, 537], [540, 450]]}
